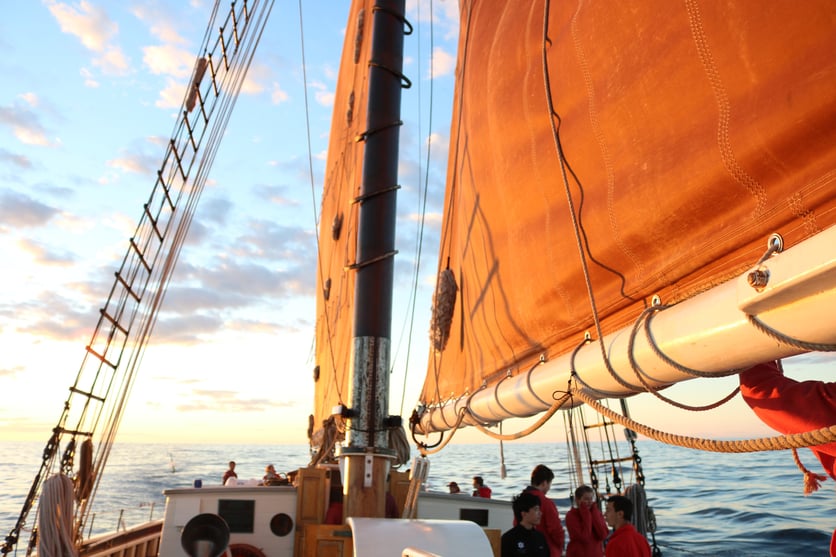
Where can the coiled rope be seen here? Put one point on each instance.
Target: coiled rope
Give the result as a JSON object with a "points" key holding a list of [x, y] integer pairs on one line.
{"points": [[55, 518]]}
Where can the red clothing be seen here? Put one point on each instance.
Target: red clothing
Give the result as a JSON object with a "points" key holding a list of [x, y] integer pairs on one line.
{"points": [[483, 491], [627, 542], [790, 406], [334, 515], [587, 532], [550, 524], [392, 506], [228, 474]]}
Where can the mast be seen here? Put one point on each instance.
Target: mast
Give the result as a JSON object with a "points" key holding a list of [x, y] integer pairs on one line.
{"points": [[366, 457]]}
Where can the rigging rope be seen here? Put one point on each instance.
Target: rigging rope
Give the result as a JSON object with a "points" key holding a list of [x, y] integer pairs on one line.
{"points": [[423, 197], [776, 443]]}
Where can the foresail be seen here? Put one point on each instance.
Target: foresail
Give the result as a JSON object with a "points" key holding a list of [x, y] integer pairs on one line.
{"points": [[691, 132], [337, 235]]}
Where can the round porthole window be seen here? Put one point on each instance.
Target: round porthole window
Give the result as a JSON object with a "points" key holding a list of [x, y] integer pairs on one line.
{"points": [[281, 525]]}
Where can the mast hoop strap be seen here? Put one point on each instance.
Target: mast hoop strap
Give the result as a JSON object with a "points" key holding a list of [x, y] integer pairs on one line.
{"points": [[370, 261], [365, 196], [363, 136], [399, 17], [406, 83]]}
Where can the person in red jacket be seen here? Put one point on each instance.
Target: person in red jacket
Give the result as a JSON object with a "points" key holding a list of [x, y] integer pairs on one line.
{"points": [[791, 406], [480, 489], [550, 526], [586, 525], [625, 540]]}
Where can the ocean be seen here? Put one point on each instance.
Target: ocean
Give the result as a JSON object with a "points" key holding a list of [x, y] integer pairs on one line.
{"points": [[706, 504]]}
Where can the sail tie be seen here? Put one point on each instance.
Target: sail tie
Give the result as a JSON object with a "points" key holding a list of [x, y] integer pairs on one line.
{"points": [[646, 316], [444, 304]]}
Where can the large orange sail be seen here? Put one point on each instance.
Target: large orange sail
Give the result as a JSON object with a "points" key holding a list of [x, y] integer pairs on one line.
{"points": [[337, 235], [690, 131]]}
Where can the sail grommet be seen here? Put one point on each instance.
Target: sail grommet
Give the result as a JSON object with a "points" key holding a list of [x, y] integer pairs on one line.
{"points": [[775, 242]]}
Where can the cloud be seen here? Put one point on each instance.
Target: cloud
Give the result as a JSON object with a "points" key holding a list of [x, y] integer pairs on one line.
{"points": [[228, 402], [113, 61], [325, 98], [44, 256], [278, 95], [168, 60], [20, 161], [21, 211], [96, 31], [25, 125], [443, 63], [54, 317], [162, 25], [279, 195], [11, 372], [172, 94], [322, 94], [137, 164], [89, 80]]}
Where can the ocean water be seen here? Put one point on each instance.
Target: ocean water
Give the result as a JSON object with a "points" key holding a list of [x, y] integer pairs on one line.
{"points": [[705, 503]]}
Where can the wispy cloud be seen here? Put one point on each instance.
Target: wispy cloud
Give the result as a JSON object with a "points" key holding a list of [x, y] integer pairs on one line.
{"points": [[25, 123], [96, 31], [228, 402], [137, 163], [43, 255], [21, 211], [20, 161]]}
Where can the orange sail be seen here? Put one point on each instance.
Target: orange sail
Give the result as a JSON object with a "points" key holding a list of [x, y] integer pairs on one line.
{"points": [[604, 153], [338, 219]]}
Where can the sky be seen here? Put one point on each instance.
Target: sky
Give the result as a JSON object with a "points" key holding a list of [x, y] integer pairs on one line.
{"points": [[89, 96]]}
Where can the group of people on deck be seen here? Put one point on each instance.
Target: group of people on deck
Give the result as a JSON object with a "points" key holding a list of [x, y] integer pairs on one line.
{"points": [[538, 531]]}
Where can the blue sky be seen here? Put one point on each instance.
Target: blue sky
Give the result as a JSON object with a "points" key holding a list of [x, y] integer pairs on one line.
{"points": [[89, 98], [91, 91]]}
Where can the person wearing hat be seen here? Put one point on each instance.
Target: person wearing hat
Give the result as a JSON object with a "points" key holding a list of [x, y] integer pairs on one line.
{"points": [[454, 487]]}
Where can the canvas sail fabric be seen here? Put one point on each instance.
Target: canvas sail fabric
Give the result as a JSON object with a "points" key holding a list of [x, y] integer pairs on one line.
{"points": [[337, 235], [691, 131]]}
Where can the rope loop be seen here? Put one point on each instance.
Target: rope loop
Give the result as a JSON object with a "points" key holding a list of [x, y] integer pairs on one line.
{"points": [[402, 19], [371, 131], [786, 339], [645, 317]]}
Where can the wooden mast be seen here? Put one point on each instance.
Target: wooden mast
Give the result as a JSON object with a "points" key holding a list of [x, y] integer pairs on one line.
{"points": [[366, 457]]}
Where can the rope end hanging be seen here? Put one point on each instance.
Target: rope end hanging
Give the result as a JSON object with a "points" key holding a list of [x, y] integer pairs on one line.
{"points": [[812, 481]]}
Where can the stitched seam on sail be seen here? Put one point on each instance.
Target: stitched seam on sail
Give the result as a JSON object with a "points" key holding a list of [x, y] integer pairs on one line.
{"points": [[724, 111], [602, 145]]}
